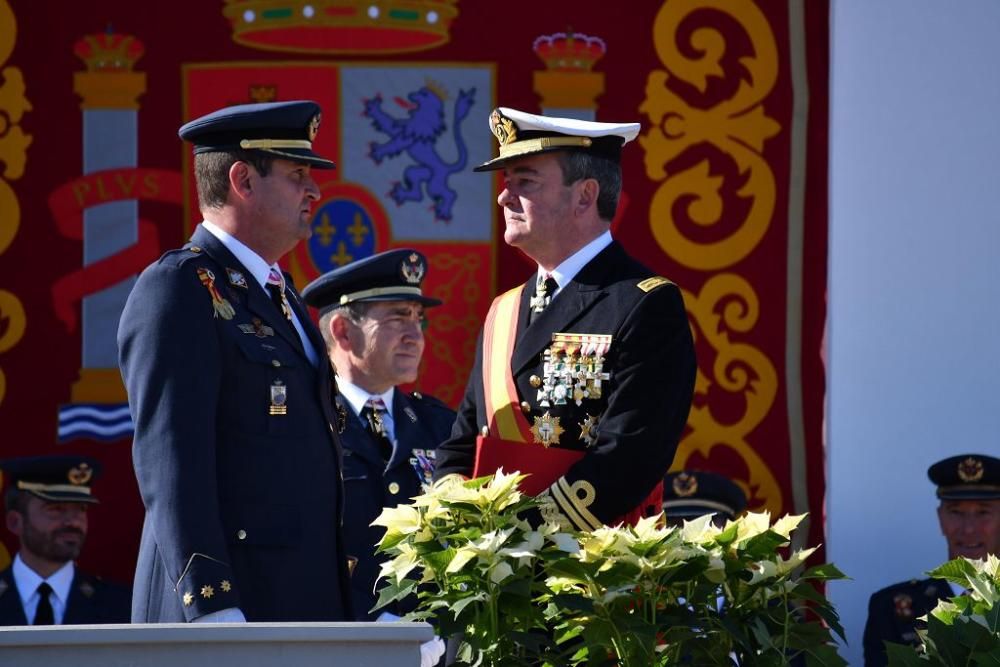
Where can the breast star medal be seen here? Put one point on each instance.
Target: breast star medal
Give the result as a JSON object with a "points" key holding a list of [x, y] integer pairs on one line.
{"points": [[547, 430]]}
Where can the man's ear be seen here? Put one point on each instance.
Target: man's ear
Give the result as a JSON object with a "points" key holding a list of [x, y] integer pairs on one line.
{"points": [[340, 330], [586, 195], [15, 522], [240, 179]]}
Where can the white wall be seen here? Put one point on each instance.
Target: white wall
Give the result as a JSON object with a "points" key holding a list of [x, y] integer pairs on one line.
{"points": [[914, 328]]}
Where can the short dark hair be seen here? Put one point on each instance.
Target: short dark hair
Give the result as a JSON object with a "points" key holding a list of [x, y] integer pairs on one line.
{"points": [[15, 500], [355, 312], [211, 173], [577, 165]]}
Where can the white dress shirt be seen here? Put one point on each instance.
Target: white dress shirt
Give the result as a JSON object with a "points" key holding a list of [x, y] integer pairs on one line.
{"points": [[571, 266], [27, 581], [260, 270]]}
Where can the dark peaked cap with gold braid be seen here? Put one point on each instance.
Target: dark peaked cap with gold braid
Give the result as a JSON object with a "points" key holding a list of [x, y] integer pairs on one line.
{"points": [[60, 479], [520, 134], [279, 129], [967, 477]]}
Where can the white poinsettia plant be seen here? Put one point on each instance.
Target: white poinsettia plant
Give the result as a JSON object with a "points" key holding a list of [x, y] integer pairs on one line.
{"points": [[516, 594], [963, 630]]}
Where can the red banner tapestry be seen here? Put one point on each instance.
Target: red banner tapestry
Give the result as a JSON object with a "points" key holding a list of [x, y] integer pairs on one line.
{"points": [[725, 193]]}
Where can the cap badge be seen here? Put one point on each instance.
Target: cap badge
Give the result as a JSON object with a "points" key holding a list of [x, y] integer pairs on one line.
{"points": [[80, 475], [314, 126], [412, 269], [503, 128], [970, 470], [685, 485]]}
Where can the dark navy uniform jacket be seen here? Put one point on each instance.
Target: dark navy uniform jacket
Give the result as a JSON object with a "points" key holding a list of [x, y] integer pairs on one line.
{"points": [[91, 600], [644, 403], [243, 503], [419, 422], [893, 613]]}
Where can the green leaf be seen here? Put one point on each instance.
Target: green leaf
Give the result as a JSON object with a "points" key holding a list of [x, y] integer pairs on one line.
{"points": [[393, 592], [824, 572], [901, 655], [823, 655]]}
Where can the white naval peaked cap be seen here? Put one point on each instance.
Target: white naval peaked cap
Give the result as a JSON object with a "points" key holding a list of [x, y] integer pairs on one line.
{"points": [[520, 133]]}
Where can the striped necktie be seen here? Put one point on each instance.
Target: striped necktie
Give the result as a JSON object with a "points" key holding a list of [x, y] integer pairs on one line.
{"points": [[373, 415], [276, 288]]}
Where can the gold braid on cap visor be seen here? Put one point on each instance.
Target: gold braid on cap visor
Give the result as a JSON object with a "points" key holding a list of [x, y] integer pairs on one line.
{"points": [[379, 291], [535, 145], [275, 143]]}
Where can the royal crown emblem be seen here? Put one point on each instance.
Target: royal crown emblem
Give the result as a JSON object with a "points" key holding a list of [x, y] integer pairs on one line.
{"points": [[341, 26], [569, 51], [970, 470], [80, 474], [109, 52], [413, 268]]}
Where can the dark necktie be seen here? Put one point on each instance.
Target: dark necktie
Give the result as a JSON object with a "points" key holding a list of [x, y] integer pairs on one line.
{"points": [[43, 614], [373, 415], [276, 288], [545, 287]]}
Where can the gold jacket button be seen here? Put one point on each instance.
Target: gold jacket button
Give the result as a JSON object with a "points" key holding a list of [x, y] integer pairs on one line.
{"points": [[485, 431], [195, 248], [393, 488], [275, 363], [241, 534], [525, 407], [535, 381]]}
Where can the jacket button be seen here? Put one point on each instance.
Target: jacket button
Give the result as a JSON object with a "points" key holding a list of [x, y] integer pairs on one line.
{"points": [[535, 381], [525, 407], [485, 431], [241, 534], [275, 363], [393, 488]]}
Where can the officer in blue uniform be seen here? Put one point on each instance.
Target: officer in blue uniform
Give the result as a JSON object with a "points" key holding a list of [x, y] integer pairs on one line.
{"points": [[371, 317], [46, 508], [968, 487], [689, 494], [236, 450]]}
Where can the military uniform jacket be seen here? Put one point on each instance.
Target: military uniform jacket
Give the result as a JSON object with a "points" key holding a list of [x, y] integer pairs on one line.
{"points": [[91, 600], [893, 613], [419, 423], [630, 433], [235, 447]]}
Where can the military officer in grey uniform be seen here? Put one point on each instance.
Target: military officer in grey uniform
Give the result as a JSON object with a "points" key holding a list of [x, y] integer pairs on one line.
{"points": [[236, 450], [46, 508], [372, 313], [968, 487], [593, 355]]}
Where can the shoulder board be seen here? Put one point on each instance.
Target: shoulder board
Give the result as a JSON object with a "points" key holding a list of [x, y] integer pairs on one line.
{"points": [[178, 256], [428, 400], [649, 284]]}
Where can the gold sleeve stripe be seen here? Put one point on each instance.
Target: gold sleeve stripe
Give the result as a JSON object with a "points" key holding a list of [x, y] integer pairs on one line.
{"points": [[573, 506], [649, 284]]}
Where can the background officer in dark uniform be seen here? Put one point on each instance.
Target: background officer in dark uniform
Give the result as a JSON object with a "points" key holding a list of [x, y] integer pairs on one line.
{"points": [[236, 449], [689, 494], [46, 508], [968, 486], [626, 407], [371, 317]]}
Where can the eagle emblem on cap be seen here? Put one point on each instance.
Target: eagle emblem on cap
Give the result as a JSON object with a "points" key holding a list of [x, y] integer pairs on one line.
{"points": [[970, 470], [314, 126], [503, 128], [685, 485], [80, 474], [413, 268]]}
